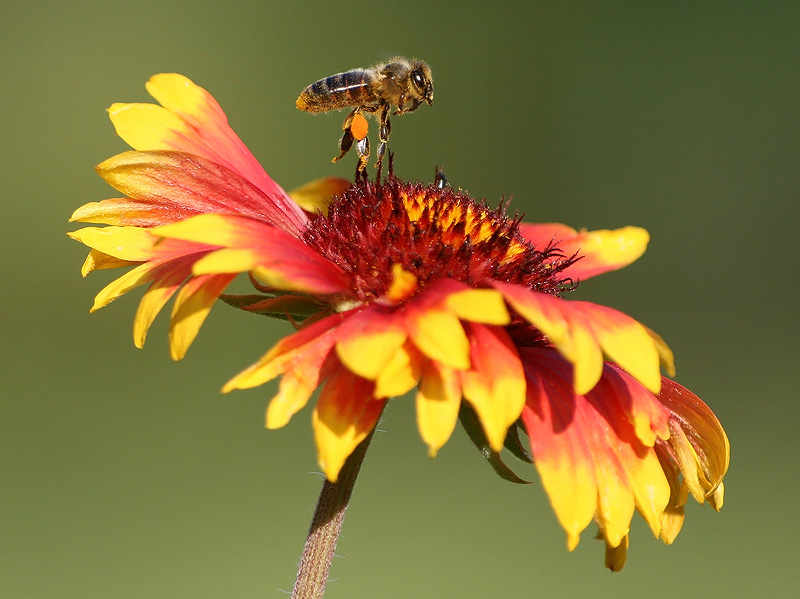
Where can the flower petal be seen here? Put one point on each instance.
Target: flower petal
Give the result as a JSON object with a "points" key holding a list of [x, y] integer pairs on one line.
{"points": [[625, 341], [367, 341], [97, 260], [225, 261], [673, 516], [148, 126], [124, 243], [401, 373], [665, 355], [479, 305], [192, 305], [563, 456], [583, 331], [698, 441], [588, 451], [617, 554], [495, 383], [300, 380], [343, 417], [316, 195], [436, 329], [182, 185], [133, 213], [132, 279], [600, 251], [404, 284], [438, 401], [284, 355], [164, 286], [565, 329], [192, 121], [636, 420], [274, 255]]}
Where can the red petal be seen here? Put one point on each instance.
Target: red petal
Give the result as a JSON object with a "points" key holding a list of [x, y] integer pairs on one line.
{"points": [[600, 251], [494, 384], [283, 260], [698, 441], [591, 458], [192, 121], [187, 184]]}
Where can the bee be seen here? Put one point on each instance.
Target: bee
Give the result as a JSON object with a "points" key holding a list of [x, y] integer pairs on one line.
{"points": [[402, 83]]}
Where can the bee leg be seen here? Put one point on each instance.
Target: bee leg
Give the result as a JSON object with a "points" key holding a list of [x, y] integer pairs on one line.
{"points": [[400, 104], [362, 147], [344, 145], [383, 134], [347, 137], [403, 110], [356, 131]]}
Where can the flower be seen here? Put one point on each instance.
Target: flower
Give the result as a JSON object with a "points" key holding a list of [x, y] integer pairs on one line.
{"points": [[397, 287]]}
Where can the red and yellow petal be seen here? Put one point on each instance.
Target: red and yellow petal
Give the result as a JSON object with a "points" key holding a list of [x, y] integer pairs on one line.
{"points": [[697, 441], [190, 120], [132, 213], [369, 340], [494, 384], [343, 417], [600, 251], [304, 374], [665, 355], [172, 186], [276, 257], [435, 328], [191, 307], [562, 455], [626, 342], [636, 420], [673, 516], [649, 418], [132, 279], [284, 354], [582, 332], [590, 456], [565, 329], [165, 258]]}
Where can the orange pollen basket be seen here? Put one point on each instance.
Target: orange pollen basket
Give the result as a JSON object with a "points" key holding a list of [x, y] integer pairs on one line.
{"points": [[432, 233]]}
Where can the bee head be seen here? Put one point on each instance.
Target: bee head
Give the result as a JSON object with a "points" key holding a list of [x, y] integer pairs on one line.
{"points": [[421, 81]]}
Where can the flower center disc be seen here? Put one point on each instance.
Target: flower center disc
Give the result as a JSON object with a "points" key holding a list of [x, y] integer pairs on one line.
{"points": [[432, 233]]}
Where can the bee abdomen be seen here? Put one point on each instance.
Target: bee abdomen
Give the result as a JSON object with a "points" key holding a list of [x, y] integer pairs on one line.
{"points": [[337, 91]]}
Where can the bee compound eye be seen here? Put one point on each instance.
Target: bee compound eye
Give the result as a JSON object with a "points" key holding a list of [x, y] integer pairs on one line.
{"points": [[418, 80]]}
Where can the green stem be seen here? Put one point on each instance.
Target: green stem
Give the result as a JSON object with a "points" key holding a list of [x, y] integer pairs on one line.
{"points": [[326, 526]]}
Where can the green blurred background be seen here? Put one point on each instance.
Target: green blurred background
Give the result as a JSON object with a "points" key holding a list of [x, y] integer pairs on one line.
{"points": [[127, 475]]}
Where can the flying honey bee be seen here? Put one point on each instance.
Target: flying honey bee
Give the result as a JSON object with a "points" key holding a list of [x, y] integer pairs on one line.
{"points": [[402, 83]]}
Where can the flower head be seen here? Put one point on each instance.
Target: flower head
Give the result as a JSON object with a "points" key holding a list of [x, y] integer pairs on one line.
{"points": [[399, 287]]}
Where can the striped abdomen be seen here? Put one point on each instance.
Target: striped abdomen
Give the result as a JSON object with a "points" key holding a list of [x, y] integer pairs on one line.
{"points": [[352, 88]]}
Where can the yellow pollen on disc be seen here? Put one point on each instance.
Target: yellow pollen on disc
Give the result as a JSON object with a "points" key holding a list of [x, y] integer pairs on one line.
{"points": [[403, 284]]}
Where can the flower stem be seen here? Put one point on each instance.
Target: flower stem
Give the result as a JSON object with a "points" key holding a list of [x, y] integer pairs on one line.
{"points": [[326, 526]]}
